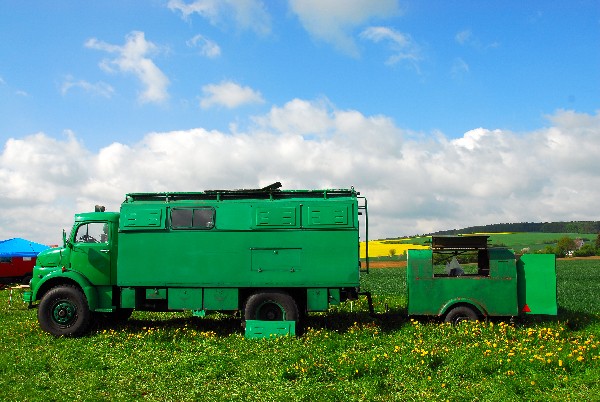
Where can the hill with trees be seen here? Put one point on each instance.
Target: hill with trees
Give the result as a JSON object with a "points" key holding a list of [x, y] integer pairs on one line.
{"points": [[562, 247], [542, 227]]}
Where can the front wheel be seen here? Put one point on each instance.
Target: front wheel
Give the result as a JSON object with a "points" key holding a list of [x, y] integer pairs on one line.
{"points": [[271, 306], [64, 311], [460, 314]]}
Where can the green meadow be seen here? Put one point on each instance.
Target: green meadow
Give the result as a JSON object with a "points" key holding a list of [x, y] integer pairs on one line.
{"points": [[342, 355]]}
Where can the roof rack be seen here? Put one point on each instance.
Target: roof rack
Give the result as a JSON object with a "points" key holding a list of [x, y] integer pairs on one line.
{"points": [[271, 187], [269, 192]]}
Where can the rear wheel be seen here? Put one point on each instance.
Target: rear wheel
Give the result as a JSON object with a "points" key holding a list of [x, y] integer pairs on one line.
{"points": [[460, 314], [63, 311], [271, 306]]}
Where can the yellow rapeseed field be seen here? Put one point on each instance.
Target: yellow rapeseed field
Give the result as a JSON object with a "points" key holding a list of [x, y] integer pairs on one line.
{"points": [[383, 248]]}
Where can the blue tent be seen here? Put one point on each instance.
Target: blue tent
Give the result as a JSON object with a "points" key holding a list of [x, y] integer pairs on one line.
{"points": [[20, 248]]}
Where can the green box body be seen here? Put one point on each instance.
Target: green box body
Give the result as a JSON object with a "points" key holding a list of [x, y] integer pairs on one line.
{"points": [[509, 285], [211, 250]]}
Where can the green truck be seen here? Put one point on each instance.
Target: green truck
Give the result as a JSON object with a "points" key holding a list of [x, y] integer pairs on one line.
{"points": [[268, 253], [496, 282]]}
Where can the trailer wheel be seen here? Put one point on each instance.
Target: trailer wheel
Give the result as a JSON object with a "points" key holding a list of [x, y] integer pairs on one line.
{"points": [[271, 306], [64, 311], [460, 314]]}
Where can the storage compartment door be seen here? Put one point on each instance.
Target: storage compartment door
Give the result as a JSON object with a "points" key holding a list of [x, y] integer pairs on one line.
{"points": [[537, 284]]}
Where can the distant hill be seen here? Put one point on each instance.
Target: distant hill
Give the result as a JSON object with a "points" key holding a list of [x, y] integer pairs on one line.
{"points": [[543, 227]]}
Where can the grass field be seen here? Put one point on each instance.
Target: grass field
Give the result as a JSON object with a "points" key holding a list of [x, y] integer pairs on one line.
{"points": [[342, 355]]}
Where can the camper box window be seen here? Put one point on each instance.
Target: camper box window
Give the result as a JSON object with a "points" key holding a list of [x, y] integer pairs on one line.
{"points": [[193, 218]]}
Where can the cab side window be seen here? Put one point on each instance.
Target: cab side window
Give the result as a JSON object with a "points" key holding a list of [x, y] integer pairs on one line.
{"points": [[94, 232]]}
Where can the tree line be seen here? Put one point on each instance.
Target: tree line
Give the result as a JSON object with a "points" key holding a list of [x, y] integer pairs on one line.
{"points": [[567, 247], [543, 227]]}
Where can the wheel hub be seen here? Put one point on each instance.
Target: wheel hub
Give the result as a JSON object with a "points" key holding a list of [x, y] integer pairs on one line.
{"points": [[63, 313], [270, 312]]}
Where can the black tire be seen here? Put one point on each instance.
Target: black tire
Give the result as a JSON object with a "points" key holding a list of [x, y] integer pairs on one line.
{"points": [[271, 306], [64, 311], [460, 314]]}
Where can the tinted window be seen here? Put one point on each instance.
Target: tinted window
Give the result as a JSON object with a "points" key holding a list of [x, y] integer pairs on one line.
{"points": [[181, 218], [193, 218]]}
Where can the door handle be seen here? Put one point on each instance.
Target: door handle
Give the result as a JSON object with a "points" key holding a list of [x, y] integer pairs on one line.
{"points": [[105, 251]]}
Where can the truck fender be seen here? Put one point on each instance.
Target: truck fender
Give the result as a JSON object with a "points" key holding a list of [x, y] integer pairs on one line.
{"points": [[458, 301], [58, 278]]}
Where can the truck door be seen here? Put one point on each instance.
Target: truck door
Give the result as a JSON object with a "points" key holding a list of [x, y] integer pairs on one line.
{"points": [[91, 253]]}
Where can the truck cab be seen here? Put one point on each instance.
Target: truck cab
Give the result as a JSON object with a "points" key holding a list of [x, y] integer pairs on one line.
{"points": [[79, 277]]}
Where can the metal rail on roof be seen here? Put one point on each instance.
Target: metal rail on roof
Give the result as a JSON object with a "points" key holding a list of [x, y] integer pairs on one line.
{"points": [[272, 191]]}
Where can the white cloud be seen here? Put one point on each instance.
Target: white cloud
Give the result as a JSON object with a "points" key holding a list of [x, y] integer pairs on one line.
{"points": [[100, 88], [334, 20], [466, 38], [463, 36], [402, 45], [133, 57], [208, 48], [246, 14], [414, 183], [228, 94], [459, 67]]}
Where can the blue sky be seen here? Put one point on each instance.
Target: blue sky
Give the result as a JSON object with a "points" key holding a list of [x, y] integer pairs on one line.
{"points": [[426, 106]]}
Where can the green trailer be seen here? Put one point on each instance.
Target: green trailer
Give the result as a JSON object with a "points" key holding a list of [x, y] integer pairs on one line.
{"points": [[268, 254], [496, 282]]}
